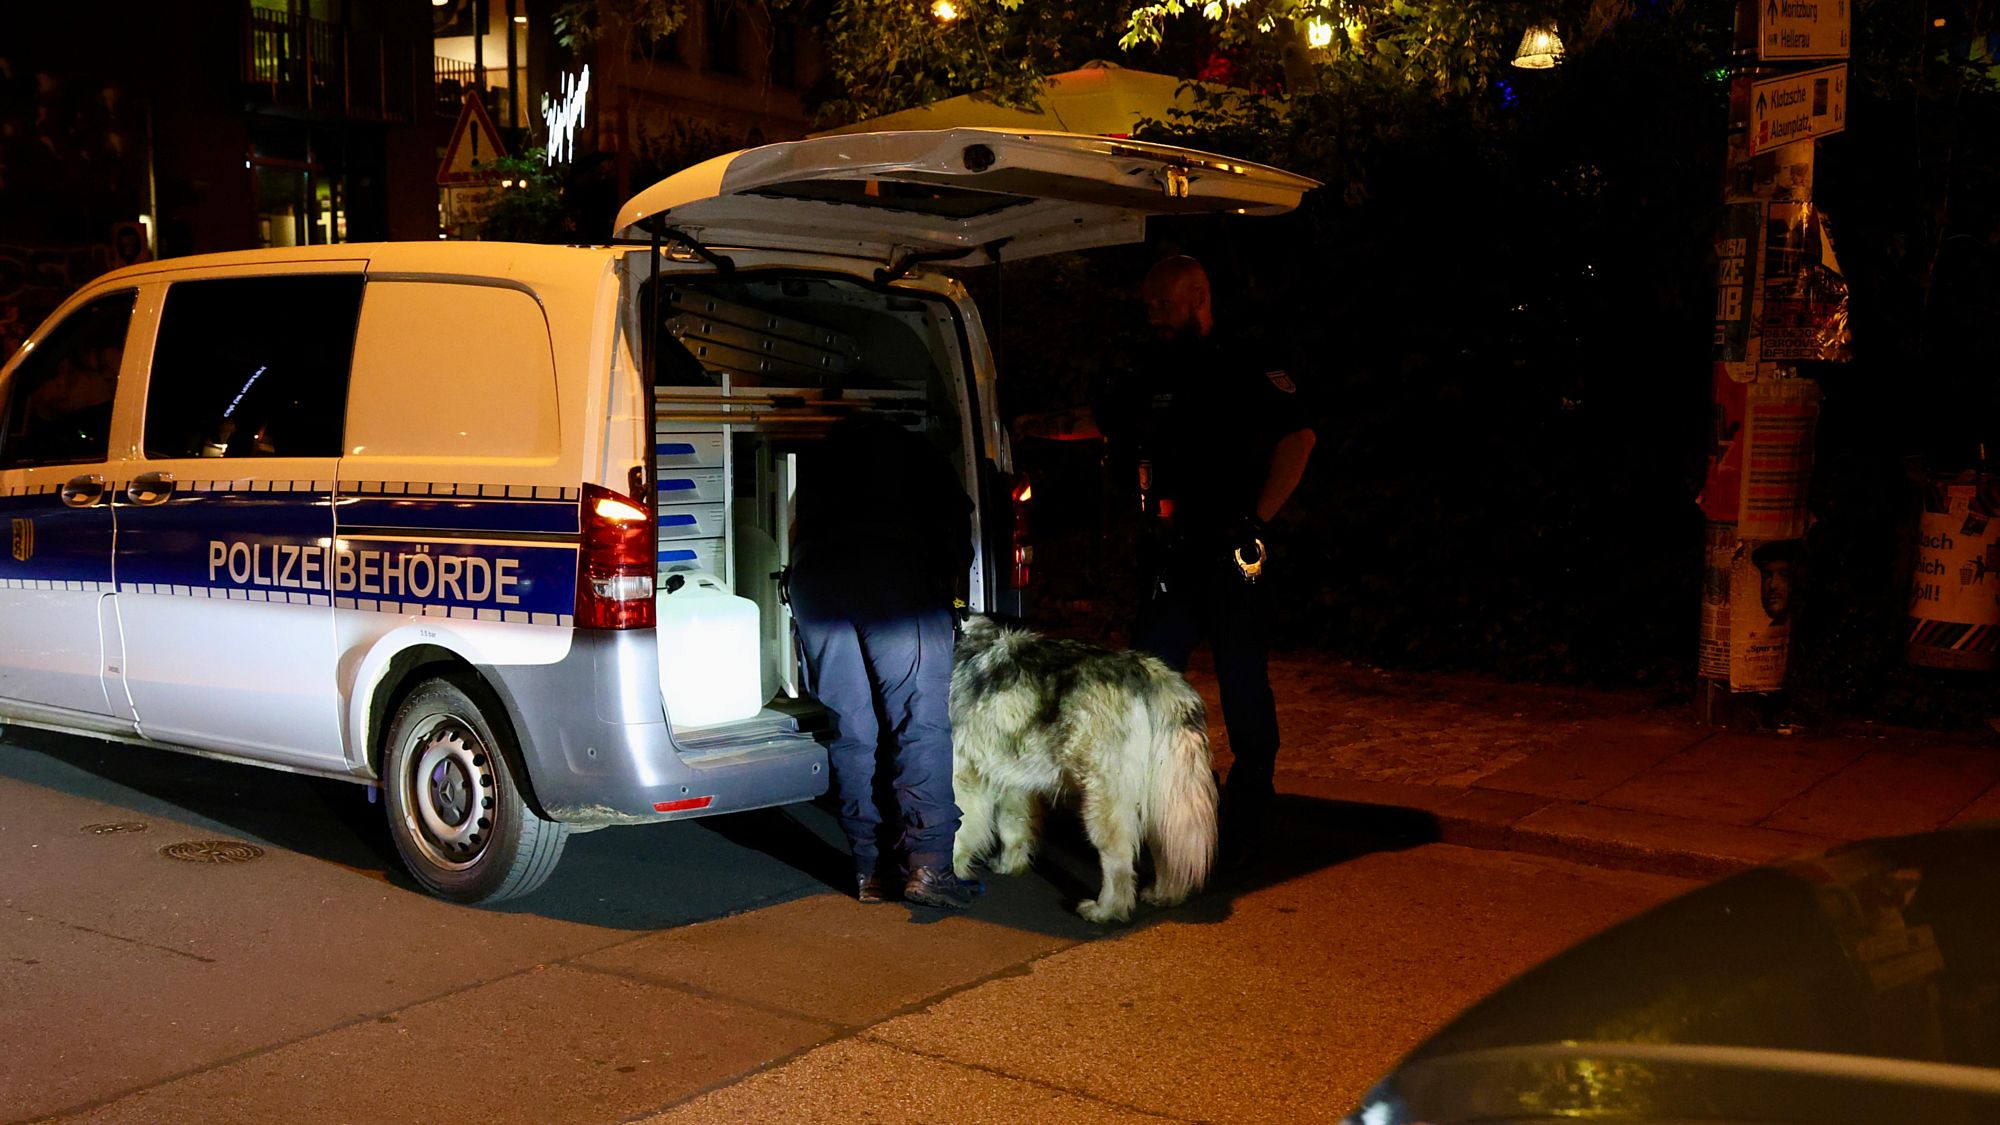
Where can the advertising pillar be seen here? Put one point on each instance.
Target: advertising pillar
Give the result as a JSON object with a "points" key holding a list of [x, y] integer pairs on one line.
{"points": [[1779, 300]]}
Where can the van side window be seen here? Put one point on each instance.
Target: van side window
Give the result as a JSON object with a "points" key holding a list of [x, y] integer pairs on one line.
{"points": [[58, 405], [253, 367], [449, 369]]}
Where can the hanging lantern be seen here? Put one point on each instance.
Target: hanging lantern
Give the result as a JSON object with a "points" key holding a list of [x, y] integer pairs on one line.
{"points": [[1540, 49]]}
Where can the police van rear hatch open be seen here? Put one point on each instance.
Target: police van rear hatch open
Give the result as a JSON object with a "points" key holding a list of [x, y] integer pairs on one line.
{"points": [[966, 196]]}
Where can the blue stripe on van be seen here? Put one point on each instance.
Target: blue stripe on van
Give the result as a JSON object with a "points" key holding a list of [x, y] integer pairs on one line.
{"points": [[63, 544], [674, 449], [534, 517], [243, 542], [677, 556], [278, 544]]}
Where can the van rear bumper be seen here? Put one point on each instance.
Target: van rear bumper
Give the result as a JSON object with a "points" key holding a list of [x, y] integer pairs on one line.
{"points": [[597, 750]]}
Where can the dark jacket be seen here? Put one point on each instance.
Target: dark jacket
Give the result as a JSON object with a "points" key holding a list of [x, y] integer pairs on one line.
{"points": [[876, 497]]}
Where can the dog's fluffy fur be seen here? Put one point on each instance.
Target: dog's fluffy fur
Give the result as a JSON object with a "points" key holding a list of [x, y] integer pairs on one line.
{"points": [[1032, 716]]}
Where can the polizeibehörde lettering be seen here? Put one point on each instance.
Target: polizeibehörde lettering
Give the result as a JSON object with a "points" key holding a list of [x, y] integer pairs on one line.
{"points": [[414, 573]]}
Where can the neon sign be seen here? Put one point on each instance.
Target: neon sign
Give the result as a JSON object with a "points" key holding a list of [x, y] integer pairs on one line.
{"points": [[564, 116]]}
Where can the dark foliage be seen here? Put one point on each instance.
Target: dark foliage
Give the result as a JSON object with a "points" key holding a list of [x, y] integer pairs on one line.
{"points": [[1506, 296]]}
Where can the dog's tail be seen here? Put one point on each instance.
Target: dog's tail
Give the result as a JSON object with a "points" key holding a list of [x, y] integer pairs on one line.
{"points": [[1181, 829]]}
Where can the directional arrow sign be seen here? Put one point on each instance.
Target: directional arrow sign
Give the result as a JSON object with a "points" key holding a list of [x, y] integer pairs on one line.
{"points": [[1803, 29], [1797, 107]]}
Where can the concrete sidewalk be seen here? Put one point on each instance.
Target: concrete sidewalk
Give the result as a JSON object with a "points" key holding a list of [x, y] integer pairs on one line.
{"points": [[1605, 777]]}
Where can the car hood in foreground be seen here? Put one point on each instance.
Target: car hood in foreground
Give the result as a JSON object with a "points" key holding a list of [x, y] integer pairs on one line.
{"points": [[1860, 985]]}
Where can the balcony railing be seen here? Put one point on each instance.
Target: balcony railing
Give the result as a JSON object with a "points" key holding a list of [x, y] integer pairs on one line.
{"points": [[451, 79], [298, 62]]}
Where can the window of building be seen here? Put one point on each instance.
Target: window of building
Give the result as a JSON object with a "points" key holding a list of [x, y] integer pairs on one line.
{"points": [[58, 404], [301, 188], [784, 53], [253, 367], [663, 49], [719, 30]]}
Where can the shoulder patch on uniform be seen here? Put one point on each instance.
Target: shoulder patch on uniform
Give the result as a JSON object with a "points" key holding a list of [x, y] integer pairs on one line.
{"points": [[1282, 381]]}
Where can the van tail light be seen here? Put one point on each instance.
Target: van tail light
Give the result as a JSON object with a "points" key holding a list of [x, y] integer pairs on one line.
{"points": [[1020, 548], [615, 568]]}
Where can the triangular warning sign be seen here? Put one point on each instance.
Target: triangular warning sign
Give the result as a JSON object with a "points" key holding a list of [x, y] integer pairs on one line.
{"points": [[468, 159]]}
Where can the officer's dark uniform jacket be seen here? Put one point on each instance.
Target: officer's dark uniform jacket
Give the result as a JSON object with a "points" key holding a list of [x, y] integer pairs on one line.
{"points": [[875, 494], [1206, 418]]}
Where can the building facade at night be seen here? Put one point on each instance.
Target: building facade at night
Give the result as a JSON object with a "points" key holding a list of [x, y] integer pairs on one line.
{"points": [[130, 131]]}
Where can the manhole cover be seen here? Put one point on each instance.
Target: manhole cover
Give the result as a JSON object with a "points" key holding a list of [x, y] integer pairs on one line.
{"points": [[114, 827], [212, 851]]}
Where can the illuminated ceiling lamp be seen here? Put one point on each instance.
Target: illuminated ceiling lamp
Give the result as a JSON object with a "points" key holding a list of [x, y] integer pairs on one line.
{"points": [[1541, 48]]}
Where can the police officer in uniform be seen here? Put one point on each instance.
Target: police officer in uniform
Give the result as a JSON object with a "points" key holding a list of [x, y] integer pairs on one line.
{"points": [[883, 533], [1219, 438]]}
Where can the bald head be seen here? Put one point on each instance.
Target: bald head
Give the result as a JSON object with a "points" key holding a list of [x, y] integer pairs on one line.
{"points": [[1176, 296]]}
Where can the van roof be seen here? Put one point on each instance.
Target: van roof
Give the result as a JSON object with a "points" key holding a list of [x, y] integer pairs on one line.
{"points": [[497, 258]]}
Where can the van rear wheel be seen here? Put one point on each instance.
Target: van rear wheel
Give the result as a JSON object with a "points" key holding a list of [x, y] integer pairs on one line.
{"points": [[455, 808]]}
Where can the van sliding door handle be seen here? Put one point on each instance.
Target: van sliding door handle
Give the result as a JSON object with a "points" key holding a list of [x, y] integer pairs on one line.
{"points": [[84, 491], [148, 489]]}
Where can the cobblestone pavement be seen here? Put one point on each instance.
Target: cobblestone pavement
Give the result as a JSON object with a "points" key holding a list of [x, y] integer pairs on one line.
{"points": [[1341, 721]]}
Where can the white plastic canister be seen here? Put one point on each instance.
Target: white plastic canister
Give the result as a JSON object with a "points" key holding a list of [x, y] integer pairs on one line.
{"points": [[709, 666]]}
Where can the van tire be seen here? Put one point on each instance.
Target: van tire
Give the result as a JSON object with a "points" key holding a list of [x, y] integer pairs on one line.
{"points": [[455, 808]]}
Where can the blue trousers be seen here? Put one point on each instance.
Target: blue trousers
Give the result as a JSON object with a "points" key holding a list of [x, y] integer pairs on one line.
{"points": [[1211, 601], [878, 654]]}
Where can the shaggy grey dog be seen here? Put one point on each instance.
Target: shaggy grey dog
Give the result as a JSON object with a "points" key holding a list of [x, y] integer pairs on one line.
{"points": [[1032, 716]]}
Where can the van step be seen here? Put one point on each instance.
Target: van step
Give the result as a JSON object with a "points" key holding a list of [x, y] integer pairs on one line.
{"points": [[767, 724], [810, 715]]}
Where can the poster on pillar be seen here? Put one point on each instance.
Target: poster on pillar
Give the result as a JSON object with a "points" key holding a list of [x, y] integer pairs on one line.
{"points": [[1713, 659], [1761, 577], [1954, 587], [1779, 418], [1778, 175], [1722, 487], [1803, 311], [1737, 261]]}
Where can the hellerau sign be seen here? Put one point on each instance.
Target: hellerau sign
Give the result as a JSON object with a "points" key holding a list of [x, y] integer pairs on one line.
{"points": [[1803, 29]]}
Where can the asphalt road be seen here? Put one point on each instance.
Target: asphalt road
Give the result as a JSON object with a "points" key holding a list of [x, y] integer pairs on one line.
{"points": [[706, 971]]}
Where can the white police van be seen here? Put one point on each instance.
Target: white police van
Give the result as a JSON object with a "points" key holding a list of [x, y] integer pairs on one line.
{"points": [[496, 527]]}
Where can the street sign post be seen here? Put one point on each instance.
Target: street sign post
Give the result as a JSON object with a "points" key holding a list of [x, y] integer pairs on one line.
{"points": [[1803, 29], [1798, 107], [475, 142]]}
